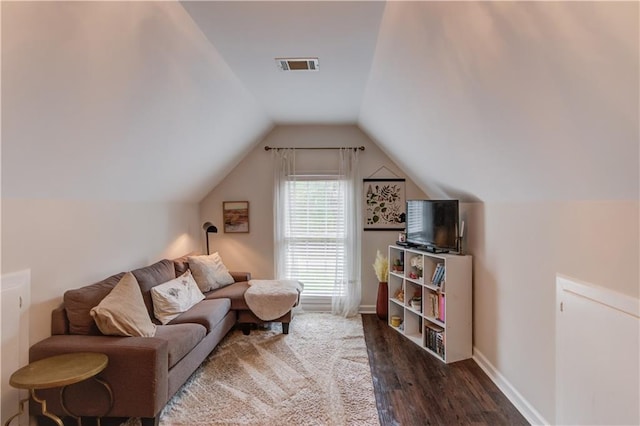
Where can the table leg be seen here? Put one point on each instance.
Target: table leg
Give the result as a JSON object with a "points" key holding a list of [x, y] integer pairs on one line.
{"points": [[43, 405], [108, 388], [18, 413], [79, 418]]}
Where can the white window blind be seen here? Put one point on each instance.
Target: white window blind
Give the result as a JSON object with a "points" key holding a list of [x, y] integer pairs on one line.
{"points": [[315, 233], [415, 215]]}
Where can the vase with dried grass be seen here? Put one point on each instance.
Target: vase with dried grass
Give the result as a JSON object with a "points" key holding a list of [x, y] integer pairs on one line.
{"points": [[381, 267]]}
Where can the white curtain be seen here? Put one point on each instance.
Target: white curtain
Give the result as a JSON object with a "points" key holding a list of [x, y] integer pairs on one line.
{"points": [[346, 295], [284, 164]]}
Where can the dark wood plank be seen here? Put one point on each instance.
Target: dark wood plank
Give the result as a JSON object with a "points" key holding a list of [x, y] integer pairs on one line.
{"points": [[412, 387]]}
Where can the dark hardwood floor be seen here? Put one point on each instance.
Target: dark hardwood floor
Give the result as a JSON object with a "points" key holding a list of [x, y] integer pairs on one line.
{"points": [[414, 388]]}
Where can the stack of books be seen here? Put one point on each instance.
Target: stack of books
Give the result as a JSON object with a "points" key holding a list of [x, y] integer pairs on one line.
{"points": [[434, 339], [435, 306]]}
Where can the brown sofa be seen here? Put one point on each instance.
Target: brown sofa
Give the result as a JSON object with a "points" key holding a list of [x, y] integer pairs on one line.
{"points": [[143, 372]]}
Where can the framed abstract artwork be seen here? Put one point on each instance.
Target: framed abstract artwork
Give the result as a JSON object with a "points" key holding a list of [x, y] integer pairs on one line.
{"points": [[236, 216], [384, 204]]}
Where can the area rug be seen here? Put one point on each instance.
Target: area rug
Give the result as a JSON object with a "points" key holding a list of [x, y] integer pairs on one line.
{"points": [[318, 374]]}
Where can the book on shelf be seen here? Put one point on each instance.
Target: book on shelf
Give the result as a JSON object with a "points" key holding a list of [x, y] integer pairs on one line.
{"points": [[440, 344], [436, 273], [432, 305], [441, 306], [439, 276]]}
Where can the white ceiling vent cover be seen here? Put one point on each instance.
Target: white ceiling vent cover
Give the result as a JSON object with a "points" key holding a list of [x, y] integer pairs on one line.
{"points": [[298, 64]]}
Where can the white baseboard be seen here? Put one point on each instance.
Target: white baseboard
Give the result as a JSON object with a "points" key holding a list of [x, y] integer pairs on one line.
{"points": [[521, 404], [367, 309], [323, 306], [314, 307]]}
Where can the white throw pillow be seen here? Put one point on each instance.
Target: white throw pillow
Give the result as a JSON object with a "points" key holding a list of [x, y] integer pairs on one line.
{"points": [[209, 272], [123, 312], [174, 297]]}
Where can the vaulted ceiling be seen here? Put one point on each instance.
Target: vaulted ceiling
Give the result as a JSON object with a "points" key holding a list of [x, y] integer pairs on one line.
{"points": [[476, 100]]}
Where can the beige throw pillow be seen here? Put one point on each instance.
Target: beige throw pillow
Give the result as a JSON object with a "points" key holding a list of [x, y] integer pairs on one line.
{"points": [[209, 272], [175, 297], [123, 312]]}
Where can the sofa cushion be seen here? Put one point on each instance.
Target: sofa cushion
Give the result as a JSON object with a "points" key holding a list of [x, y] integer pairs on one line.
{"points": [[234, 292], [152, 275], [79, 302], [209, 272], [122, 311], [181, 338], [181, 264], [207, 313], [174, 297]]}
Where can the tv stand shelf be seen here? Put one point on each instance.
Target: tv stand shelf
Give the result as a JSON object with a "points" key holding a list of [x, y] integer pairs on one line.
{"points": [[440, 321]]}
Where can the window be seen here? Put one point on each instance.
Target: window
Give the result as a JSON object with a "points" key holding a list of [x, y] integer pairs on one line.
{"points": [[314, 236]]}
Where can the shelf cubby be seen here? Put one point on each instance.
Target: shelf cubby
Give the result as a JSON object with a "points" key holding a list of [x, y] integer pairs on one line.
{"points": [[396, 309]]}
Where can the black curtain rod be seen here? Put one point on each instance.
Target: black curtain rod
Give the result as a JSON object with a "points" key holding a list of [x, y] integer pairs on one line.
{"points": [[355, 148]]}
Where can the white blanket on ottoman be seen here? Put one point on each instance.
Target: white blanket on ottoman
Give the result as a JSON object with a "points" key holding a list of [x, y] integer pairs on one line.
{"points": [[271, 299]]}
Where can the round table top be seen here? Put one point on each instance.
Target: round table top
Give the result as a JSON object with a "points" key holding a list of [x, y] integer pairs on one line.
{"points": [[59, 370]]}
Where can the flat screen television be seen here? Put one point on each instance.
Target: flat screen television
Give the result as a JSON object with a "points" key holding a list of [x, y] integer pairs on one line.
{"points": [[432, 224]]}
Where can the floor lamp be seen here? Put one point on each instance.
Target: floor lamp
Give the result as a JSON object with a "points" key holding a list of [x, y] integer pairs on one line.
{"points": [[209, 228]]}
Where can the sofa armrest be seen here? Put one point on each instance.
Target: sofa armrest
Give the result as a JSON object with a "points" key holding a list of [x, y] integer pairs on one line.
{"points": [[241, 276], [137, 373]]}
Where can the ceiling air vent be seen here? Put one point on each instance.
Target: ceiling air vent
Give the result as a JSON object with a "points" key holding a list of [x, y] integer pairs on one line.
{"points": [[298, 64]]}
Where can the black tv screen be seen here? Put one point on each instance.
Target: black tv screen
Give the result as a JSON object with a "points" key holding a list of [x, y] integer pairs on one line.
{"points": [[432, 224]]}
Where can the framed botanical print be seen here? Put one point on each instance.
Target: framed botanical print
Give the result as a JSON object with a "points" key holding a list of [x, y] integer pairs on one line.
{"points": [[384, 204], [236, 216]]}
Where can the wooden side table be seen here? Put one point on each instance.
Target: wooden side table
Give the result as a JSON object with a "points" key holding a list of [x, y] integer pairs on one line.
{"points": [[59, 371]]}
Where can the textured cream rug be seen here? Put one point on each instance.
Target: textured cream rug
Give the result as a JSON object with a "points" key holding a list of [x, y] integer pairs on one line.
{"points": [[318, 374]]}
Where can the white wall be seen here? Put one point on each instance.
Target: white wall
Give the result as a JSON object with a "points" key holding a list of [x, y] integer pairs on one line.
{"points": [[119, 101], [252, 180], [530, 111], [509, 101], [69, 244], [518, 249], [106, 132]]}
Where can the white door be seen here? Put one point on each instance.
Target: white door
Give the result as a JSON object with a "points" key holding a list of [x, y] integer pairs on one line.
{"points": [[15, 297], [597, 356]]}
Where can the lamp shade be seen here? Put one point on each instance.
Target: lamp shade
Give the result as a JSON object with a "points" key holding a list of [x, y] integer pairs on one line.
{"points": [[209, 227]]}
